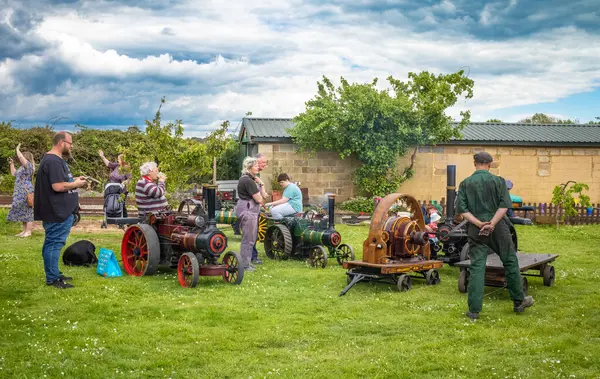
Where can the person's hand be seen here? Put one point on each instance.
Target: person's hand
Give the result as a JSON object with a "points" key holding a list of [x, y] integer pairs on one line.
{"points": [[486, 229], [18, 147], [80, 182], [10, 161], [259, 181], [162, 177], [100, 152]]}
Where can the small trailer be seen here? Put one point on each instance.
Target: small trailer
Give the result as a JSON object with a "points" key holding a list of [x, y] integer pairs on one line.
{"points": [[529, 264]]}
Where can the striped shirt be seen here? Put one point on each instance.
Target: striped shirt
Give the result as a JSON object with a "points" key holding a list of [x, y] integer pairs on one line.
{"points": [[149, 196]]}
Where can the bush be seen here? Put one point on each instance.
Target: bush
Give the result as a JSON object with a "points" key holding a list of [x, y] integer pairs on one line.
{"points": [[358, 204]]}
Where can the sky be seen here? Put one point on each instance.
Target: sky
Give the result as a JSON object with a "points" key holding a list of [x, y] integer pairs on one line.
{"points": [[107, 63]]}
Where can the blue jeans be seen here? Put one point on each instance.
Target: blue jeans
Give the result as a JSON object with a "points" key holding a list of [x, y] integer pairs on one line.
{"points": [[56, 237]]}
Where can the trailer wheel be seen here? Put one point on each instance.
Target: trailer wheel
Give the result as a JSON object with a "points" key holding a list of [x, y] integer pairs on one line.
{"points": [[548, 275], [188, 270], [463, 281], [432, 277], [348, 276], [404, 283], [525, 285]]}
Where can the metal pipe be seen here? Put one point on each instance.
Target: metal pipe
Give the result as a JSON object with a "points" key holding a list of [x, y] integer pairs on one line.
{"points": [[331, 209], [211, 194], [450, 191]]}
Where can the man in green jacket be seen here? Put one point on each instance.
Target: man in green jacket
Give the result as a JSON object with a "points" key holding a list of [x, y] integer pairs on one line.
{"points": [[483, 200]]}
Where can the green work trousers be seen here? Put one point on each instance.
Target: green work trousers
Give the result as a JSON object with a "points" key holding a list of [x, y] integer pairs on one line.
{"points": [[501, 243]]}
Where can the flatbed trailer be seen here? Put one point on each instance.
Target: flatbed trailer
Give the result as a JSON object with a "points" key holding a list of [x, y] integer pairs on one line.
{"points": [[529, 264]]}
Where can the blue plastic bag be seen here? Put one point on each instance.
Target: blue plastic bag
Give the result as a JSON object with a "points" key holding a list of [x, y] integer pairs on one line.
{"points": [[107, 264]]}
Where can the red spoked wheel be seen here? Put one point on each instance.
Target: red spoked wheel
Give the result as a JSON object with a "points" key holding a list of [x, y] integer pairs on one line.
{"points": [[188, 270], [234, 270], [140, 250]]}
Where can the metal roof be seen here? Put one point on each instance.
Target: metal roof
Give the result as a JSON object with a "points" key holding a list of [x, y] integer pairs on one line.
{"points": [[481, 133]]}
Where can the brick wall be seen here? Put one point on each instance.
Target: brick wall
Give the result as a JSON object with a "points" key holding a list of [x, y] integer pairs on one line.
{"points": [[320, 172], [534, 171]]}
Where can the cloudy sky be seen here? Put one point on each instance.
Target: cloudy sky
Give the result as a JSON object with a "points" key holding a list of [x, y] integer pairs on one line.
{"points": [[107, 63]]}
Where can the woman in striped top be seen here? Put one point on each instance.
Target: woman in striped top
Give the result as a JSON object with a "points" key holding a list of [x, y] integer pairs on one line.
{"points": [[150, 196]]}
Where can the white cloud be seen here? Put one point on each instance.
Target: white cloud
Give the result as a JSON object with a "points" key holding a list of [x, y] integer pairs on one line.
{"points": [[125, 62]]}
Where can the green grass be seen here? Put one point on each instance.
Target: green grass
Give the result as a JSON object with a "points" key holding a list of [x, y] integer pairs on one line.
{"points": [[286, 320]]}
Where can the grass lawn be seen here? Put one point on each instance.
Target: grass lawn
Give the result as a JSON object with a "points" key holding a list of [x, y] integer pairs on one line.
{"points": [[286, 320]]}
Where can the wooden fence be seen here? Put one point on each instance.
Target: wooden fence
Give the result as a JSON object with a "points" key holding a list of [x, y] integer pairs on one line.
{"points": [[545, 213], [542, 213], [90, 206]]}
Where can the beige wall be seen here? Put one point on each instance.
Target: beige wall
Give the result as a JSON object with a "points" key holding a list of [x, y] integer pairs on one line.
{"points": [[534, 171]]}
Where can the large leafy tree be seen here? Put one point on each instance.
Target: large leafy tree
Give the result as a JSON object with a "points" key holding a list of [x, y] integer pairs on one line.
{"points": [[185, 161], [378, 126]]}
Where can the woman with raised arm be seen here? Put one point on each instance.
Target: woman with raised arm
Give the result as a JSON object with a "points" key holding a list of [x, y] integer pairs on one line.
{"points": [[116, 168], [20, 211]]}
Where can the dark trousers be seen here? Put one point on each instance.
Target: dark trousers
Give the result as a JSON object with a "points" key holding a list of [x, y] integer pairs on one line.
{"points": [[54, 241], [501, 243]]}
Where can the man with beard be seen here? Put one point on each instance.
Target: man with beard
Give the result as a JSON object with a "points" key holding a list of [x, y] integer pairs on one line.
{"points": [[55, 201]]}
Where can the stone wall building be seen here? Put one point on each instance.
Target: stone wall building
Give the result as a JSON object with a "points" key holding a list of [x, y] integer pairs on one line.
{"points": [[534, 157]]}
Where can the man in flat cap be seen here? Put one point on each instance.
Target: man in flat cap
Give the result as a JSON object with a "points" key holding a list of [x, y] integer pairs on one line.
{"points": [[483, 200]]}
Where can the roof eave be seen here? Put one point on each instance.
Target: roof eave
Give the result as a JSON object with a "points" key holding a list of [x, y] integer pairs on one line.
{"points": [[520, 143]]}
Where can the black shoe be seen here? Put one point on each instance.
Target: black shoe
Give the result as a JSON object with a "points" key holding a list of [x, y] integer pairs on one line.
{"points": [[257, 261], [472, 315], [65, 278], [525, 303], [58, 283]]}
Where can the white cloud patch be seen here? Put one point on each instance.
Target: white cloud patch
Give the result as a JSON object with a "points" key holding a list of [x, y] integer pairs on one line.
{"points": [[266, 57]]}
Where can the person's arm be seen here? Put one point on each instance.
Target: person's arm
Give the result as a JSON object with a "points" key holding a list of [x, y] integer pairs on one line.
{"points": [[22, 159], [283, 200], [261, 187], [258, 198], [101, 154], [11, 165], [153, 190], [463, 207], [66, 186], [504, 204], [56, 176]]}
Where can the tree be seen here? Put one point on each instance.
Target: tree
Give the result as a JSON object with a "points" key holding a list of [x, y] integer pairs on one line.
{"points": [[185, 161], [541, 118], [563, 198], [595, 122], [377, 126], [494, 120]]}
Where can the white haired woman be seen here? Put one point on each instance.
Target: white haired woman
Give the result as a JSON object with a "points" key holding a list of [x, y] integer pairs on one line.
{"points": [[20, 211], [251, 197], [150, 194]]}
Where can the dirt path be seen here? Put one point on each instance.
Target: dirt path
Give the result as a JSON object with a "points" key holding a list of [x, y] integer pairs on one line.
{"points": [[85, 226]]}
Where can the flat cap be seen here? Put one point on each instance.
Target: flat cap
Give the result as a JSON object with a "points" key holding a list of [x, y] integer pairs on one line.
{"points": [[483, 157]]}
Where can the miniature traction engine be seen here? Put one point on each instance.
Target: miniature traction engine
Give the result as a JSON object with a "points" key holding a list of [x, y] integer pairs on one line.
{"points": [[189, 241]]}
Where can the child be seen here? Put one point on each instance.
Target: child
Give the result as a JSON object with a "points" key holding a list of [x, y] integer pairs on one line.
{"points": [[432, 227]]}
